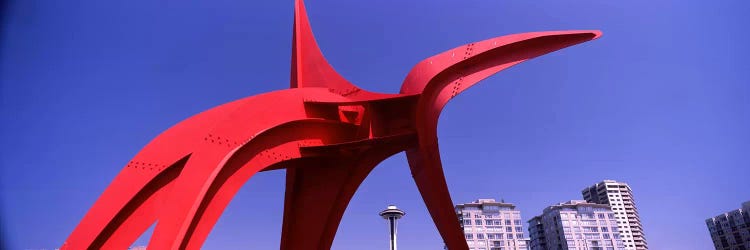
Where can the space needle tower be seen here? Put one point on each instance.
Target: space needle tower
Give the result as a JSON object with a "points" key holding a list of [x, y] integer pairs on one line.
{"points": [[392, 214]]}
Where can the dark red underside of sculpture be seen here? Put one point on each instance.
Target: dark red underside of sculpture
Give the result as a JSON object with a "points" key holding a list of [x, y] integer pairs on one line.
{"points": [[327, 133]]}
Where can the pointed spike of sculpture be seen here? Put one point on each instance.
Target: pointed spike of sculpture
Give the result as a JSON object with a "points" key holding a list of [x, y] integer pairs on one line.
{"points": [[309, 66], [326, 132]]}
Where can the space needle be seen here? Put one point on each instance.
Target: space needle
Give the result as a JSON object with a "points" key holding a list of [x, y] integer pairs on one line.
{"points": [[392, 214]]}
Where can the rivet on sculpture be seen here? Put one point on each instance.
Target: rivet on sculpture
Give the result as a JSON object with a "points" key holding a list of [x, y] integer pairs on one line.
{"points": [[327, 134]]}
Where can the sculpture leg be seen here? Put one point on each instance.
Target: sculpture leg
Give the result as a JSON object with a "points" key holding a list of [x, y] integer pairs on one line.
{"points": [[218, 196], [215, 173], [427, 172], [131, 223], [317, 196], [125, 210], [312, 192]]}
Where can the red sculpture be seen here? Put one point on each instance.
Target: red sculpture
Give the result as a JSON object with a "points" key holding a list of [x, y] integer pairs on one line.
{"points": [[328, 135]]}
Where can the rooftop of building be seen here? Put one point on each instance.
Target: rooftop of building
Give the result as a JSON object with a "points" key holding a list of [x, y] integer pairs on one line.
{"points": [[574, 204], [535, 218], [603, 183], [486, 202], [744, 209]]}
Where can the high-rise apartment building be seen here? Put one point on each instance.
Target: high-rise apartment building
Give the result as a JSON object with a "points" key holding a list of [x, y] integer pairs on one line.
{"points": [[491, 225], [731, 230], [619, 197], [577, 225]]}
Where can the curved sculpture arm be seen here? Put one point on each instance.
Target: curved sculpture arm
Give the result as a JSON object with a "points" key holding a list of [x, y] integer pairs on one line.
{"points": [[442, 77], [476, 61], [129, 204]]}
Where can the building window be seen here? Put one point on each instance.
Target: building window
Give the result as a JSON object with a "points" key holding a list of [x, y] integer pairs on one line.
{"points": [[469, 236], [478, 222]]}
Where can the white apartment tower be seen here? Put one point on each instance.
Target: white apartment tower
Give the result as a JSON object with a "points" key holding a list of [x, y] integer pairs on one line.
{"points": [[731, 230], [577, 225], [619, 197], [491, 225]]}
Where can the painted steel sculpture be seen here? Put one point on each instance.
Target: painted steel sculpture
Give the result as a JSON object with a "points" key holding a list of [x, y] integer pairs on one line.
{"points": [[325, 132]]}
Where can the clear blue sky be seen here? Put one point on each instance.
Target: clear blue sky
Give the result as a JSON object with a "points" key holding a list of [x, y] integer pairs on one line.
{"points": [[661, 101]]}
